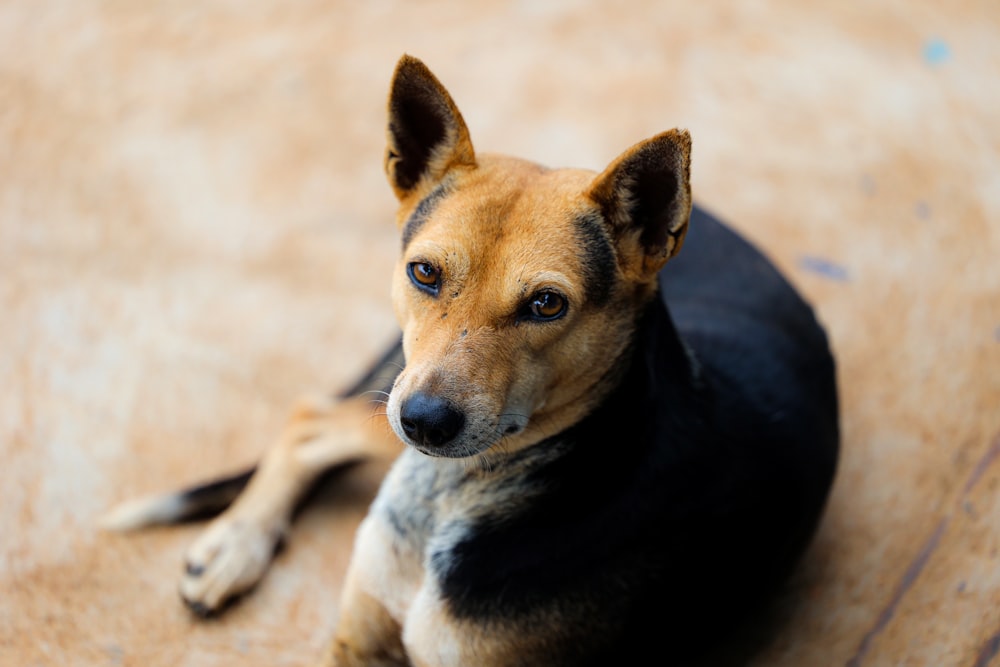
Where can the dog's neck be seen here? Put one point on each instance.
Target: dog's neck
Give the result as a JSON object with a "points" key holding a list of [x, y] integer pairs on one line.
{"points": [[660, 369]]}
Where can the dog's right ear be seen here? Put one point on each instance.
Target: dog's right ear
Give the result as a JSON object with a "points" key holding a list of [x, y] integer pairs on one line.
{"points": [[427, 137], [645, 197]]}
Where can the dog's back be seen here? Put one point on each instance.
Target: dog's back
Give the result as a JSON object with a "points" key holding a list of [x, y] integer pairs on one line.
{"points": [[697, 484], [755, 459], [739, 314], [760, 341]]}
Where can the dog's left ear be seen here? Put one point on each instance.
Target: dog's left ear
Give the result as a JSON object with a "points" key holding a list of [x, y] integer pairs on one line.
{"points": [[427, 136], [645, 198]]}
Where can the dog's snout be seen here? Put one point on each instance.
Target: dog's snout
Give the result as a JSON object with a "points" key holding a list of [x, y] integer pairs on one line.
{"points": [[430, 420]]}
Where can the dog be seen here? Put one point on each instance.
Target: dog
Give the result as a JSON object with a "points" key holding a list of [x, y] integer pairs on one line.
{"points": [[614, 450]]}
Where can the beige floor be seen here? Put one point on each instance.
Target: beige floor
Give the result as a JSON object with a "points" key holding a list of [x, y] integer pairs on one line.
{"points": [[194, 230]]}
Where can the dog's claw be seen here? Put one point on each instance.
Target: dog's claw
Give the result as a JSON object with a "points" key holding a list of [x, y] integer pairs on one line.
{"points": [[197, 608], [227, 560], [193, 570]]}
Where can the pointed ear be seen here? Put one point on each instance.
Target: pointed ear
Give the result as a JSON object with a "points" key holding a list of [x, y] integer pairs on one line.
{"points": [[645, 198], [426, 135]]}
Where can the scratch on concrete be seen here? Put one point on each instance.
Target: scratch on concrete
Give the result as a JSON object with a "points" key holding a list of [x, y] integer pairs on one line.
{"points": [[920, 561]]}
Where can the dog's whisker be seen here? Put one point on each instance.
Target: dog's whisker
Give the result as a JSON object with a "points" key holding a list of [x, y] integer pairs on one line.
{"points": [[375, 416], [376, 392]]}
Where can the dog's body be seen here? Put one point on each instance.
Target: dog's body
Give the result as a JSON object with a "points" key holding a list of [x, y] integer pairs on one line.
{"points": [[607, 461]]}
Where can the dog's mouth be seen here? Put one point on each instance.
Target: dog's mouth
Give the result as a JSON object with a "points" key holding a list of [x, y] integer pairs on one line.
{"points": [[438, 426]]}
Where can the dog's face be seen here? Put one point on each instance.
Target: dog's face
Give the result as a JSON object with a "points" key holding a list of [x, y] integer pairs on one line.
{"points": [[503, 296], [518, 287]]}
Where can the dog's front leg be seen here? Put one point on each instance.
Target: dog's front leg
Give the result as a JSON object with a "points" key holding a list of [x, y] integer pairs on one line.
{"points": [[236, 549], [367, 636], [367, 633]]}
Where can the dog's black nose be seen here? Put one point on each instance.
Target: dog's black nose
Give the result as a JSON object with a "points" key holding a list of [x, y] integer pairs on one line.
{"points": [[430, 420]]}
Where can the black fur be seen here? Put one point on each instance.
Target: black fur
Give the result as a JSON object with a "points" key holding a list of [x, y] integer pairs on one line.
{"points": [[598, 258], [689, 494], [417, 126], [421, 213], [207, 500], [378, 380]]}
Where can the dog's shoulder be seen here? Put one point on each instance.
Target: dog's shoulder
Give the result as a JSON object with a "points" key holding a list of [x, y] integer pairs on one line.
{"points": [[721, 276], [751, 329]]}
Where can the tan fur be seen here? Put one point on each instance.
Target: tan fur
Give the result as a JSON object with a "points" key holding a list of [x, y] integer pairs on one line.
{"points": [[389, 597], [235, 550], [615, 184], [455, 154], [367, 634], [506, 230], [465, 344], [506, 234]]}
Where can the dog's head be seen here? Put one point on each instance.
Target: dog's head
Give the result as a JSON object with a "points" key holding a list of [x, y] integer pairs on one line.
{"points": [[519, 287]]}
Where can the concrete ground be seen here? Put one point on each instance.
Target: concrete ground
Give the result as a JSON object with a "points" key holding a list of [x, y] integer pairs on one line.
{"points": [[195, 230]]}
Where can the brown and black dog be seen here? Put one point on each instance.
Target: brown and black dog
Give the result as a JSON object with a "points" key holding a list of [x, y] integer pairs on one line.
{"points": [[613, 454]]}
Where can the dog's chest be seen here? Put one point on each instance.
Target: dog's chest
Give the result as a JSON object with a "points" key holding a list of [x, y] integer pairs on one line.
{"points": [[425, 509], [424, 500]]}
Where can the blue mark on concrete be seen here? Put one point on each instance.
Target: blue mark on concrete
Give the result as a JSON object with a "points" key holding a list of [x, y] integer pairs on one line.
{"points": [[936, 52], [923, 210], [824, 267], [868, 185], [969, 509], [996, 334]]}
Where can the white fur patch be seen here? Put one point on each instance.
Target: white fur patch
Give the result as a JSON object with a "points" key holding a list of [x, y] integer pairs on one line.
{"points": [[141, 512]]}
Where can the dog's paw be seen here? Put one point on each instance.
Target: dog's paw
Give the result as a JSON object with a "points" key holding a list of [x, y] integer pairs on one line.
{"points": [[227, 560]]}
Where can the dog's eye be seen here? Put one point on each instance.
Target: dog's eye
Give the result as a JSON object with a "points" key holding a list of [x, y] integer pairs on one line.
{"points": [[424, 276], [547, 305]]}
